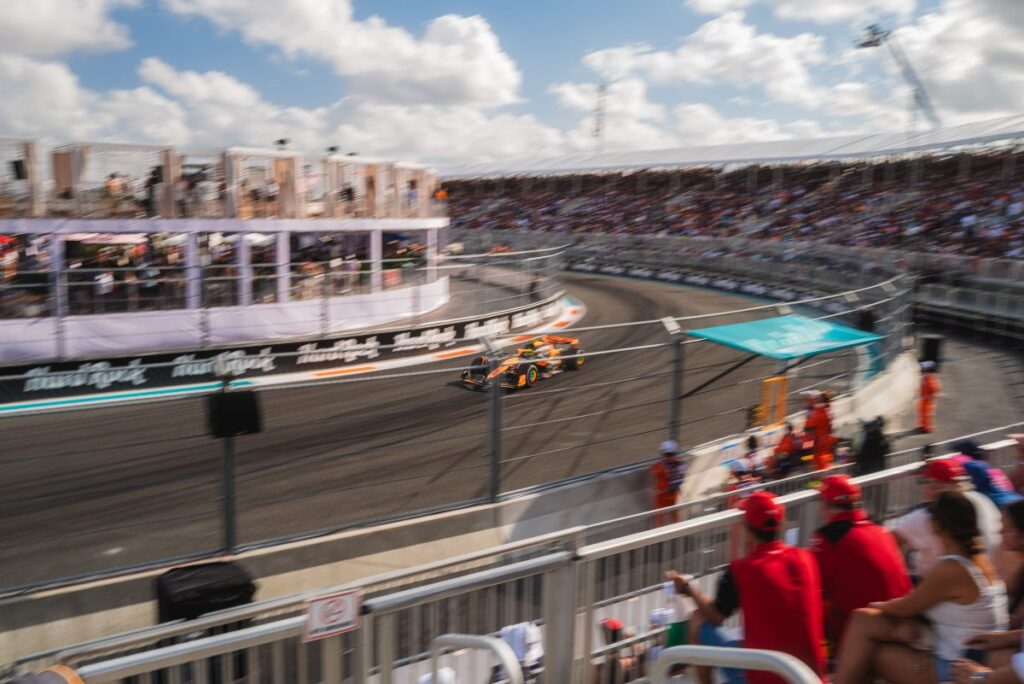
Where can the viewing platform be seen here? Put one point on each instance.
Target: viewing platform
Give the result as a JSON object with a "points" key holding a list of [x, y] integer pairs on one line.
{"points": [[219, 246]]}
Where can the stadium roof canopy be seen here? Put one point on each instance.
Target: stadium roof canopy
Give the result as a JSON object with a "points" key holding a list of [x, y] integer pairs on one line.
{"points": [[777, 151]]}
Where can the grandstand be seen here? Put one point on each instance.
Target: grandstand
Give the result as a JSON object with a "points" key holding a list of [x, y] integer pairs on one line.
{"points": [[948, 193], [802, 228]]}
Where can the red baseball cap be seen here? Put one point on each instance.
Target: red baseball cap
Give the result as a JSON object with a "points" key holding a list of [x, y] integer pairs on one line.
{"points": [[762, 511], [839, 489], [944, 470]]}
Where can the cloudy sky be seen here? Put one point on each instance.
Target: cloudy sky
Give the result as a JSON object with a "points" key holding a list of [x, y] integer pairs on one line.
{"points": [[450, 81]]}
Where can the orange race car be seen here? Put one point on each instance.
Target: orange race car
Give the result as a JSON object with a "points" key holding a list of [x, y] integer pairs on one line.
{"points": [[540, 357]]}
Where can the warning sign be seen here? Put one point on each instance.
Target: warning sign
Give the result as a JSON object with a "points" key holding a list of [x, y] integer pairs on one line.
{"points": [[330, 615]]}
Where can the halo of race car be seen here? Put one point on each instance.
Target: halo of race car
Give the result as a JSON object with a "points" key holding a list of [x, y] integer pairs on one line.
{"points": [[542, 357]]}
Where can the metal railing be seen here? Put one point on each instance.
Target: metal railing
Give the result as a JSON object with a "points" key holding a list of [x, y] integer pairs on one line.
{"points": [[999, 453], [782, 664], [161, 287], [513, 672], [572, 537], [396, 634], [567, 593], [997, 314]]}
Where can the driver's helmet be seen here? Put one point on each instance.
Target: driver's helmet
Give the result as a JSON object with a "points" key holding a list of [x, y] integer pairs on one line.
{"points": [[527, 353], [538, 343]]}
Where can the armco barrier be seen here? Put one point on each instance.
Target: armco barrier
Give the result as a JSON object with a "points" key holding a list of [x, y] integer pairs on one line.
{"points": [[565, 592], [996, 314], [989, 300]]}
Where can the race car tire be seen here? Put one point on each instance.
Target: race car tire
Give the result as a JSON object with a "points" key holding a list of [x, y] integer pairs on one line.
{"points": [[481, 366], [532, 374], [575, 363]]}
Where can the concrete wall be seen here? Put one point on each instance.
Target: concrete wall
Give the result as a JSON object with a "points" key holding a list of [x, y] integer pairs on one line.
{"points": [[60, 617]]}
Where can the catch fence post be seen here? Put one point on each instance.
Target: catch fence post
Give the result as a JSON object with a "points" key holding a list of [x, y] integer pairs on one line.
{"points": [[494, 446], [230, 520], [675, 399], [228, 480], [325, 304]]}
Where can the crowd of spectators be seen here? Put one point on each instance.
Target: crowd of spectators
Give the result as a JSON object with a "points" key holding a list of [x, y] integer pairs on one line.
{"points": [[969, 205], [935, 596], [119, 273]]}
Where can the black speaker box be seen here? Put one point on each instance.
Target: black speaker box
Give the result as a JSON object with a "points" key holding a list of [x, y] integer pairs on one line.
{"points": [[931, 348], [186, 593], [19, 170], [233, 413], [866, 320]]}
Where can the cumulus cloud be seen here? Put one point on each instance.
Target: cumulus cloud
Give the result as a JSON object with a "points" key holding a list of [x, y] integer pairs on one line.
{"points": [[222, 110], [437, 94], [52, 27], [817, 11], [717, 6], [215, 109], [44, 99], [632, 120], [834, 11], [702, 124], [457, 60], [970, 56], [726, 50]]}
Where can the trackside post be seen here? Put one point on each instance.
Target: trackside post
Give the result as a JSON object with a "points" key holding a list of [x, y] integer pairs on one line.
{"points": [[494, 487], [675, 399], [230, 519]]}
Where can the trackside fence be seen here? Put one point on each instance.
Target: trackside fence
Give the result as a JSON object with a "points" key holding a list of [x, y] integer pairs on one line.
{"points": [[345, 471], [962, 292], [567, 593]]}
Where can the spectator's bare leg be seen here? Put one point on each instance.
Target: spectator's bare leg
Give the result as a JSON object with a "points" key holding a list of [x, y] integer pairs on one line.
{"points": [[874, 647], [705, 675]]}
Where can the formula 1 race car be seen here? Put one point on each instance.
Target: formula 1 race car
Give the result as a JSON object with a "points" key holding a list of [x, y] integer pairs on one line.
{"points": [[540, 357]]}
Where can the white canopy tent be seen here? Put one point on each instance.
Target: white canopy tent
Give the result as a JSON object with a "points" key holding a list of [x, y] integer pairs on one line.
{"points": [[777, 151]]}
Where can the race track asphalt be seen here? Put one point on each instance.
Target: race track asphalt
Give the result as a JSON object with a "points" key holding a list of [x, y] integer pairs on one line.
{"points": [[103, 488]]}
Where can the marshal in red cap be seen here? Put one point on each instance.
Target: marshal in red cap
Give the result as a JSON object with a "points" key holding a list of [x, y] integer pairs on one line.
{"points": [[763, 512], [944, 470], [839, 489]]}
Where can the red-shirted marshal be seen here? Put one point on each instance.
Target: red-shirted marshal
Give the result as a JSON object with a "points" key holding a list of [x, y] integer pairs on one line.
{"points": [[860, 563], [780, 596]]}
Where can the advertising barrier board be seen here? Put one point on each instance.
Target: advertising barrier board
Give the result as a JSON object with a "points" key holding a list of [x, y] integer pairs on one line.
{"points": [[74, 378]]}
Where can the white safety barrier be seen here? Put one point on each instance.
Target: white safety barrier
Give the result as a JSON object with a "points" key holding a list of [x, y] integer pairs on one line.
{"points": [[447, 642], [782, 664], [999, 314]]}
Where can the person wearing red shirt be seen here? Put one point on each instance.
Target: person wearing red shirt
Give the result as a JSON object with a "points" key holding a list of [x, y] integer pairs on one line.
{"points": [[786, 456], [668, 474], [860, 562], [930, 389], [819, 425], [778, 589]]}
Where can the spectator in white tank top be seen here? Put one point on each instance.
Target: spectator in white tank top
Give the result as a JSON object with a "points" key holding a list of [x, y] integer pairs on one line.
{"points": [[1004, 650], [961, 598]]}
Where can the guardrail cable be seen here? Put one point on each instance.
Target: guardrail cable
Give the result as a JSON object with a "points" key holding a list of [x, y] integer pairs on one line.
{"points": [[585, 445], [603, 412]]}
